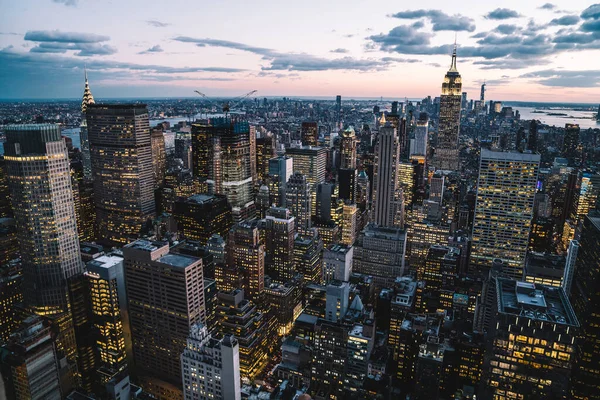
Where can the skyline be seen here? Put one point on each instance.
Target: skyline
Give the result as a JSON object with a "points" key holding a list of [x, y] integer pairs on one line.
{"points": [[354, 50]]}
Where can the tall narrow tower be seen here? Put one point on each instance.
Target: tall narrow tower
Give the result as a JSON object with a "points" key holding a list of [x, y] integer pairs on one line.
{"points": [[446, 152], [385, 178], [85, 143]]}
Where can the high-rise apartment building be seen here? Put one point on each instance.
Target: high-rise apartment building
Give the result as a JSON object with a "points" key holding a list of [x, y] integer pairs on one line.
{"points": [[446, 151], [121, 154], [585, 383], [210, 367], [280, 233], [37, 166], [165, 292], [504, 209], [385, 179]]}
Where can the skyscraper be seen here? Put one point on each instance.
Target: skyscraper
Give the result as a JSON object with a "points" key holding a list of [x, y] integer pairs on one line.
{"points": [[38, 177], [531, 342], [348, 143], [446, 151], [265, 150], [309, 161], [32, 362], [504, 209], [200, 216], [245, 250], [166, 297], [210, 367], [121, 154], [298, 199], [159, 157], [280, 232], [252, 329], [224, 153], [385, 179], [83, 130], [586, 300], [280, 171], [571, 143], [532, 140], [309, 133]]}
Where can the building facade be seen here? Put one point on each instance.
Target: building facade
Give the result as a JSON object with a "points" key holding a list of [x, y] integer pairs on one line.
{"points": [[122, 169]]}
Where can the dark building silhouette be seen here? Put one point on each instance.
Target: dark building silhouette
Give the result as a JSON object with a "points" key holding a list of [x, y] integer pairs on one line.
{"points": [[122, 168]]}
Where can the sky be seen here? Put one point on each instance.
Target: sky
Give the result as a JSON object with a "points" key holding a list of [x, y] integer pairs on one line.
{"points": [[523, 50]]}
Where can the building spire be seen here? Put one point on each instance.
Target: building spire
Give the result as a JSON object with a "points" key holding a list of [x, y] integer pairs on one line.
{"points": [[88, 98], [453, 65]]}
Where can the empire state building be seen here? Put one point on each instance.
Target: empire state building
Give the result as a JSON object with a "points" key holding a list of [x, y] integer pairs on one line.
{"points": [[446, 152]]}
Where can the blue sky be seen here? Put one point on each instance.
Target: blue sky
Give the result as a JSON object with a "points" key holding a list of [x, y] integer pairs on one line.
{"points": [[524, 50]]}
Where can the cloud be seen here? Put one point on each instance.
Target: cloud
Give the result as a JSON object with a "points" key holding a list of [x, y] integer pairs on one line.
{"points": [[64, 37], [506, 29], [293, 61], [592, 12], [153, 49], [507, 63], [592, 26], [547, 6], [157, 24], [502, 13], [225, 43], [339, 50], [439, 20], [562, 78], [68, 3], [83, 49], [565, 20]]}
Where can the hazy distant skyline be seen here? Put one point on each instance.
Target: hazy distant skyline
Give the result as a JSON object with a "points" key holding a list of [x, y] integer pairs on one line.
{"points": [[528, 51]]}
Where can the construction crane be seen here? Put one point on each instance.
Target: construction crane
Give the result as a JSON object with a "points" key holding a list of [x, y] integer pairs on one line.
{"points": [[200, 93], [228, 105]]}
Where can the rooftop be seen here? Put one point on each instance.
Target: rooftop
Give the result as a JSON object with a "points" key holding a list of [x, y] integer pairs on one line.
{"points": [[539, 302], [510, 156], [145, 245], [178, 260], [106, 261], [202, 198]]}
